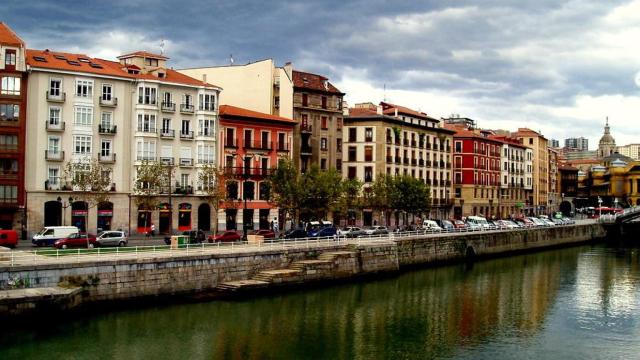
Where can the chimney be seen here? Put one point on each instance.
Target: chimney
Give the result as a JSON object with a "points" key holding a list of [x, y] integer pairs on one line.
{"points": [[379, 110], [396, 112], [204, 78]]}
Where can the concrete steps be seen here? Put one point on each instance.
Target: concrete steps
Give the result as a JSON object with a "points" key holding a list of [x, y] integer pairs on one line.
{"points": [[232, 286]]}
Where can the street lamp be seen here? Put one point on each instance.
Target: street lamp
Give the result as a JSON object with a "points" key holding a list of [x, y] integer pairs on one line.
{"points": [[64, 208], [599, 206]]}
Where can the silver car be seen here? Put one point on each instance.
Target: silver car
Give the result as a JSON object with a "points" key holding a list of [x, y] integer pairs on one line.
{"points": [[112, 238]]}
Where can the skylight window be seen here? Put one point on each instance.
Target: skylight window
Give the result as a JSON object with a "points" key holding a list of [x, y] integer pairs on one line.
{"points": [[39, 58], [60, 57], [73, 62], [94, 65], [84, 59]]}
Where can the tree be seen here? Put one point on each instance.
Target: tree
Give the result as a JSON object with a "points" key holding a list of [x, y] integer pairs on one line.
{"points": [[151, 180], [349, 198], [379, 197], [213, 182], [91, 182], [285, 189], [319, 190], [410, 195]]}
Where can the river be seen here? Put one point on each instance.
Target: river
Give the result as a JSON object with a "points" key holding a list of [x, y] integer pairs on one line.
{"points": [[577, 303]]}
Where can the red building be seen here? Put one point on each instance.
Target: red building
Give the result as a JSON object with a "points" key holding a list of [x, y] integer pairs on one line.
{"points": [[251, 143], [13, 109], [476, 174]]}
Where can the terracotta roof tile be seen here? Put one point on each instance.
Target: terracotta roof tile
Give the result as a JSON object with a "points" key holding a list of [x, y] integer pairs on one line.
{"points": [[390, 109], [229, 110], [311, 81], [354, 112], [8, 37], [145, 54], [54, 60]]}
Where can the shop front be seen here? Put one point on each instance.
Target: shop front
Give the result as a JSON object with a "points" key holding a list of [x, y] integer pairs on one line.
{"points": [[184, 216], [79, 212], [105, 216]]}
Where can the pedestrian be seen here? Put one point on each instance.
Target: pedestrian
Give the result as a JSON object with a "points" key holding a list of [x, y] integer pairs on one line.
{"points": [[153, 230], [272, 226], [276, 230]]}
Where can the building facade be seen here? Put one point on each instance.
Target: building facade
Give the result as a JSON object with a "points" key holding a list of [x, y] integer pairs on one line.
{"points": [[580, 144], [607, 144], [251, 145], [120, 113], [514, 174], [554, 182], [394, 140], [13, 102], [539, 145], [631, 150], [317, 108]]}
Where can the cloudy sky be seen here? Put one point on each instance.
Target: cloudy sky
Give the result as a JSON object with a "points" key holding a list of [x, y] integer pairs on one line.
{"points": [[554, 66]]}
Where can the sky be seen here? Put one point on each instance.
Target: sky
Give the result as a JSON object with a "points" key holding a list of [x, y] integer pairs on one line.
{"points": [[559, 67]]}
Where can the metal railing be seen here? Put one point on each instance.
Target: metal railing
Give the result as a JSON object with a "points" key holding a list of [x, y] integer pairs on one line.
{"points": [[65, 256]]}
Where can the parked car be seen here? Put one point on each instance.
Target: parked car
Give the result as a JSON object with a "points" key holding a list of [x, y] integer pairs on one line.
{"points": [[112, 238], [446, 225], [226, 236], [459, 224], [536, 221], [323, 232], [266, 233], [471, 226], [377, 230], [76, 240], [351, 232], [50, 234], [8, 238], [568, 221], [525, 222], [295, 234], [431, 226], [479, 221]]}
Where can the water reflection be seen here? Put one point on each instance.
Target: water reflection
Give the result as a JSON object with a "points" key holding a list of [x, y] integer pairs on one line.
{"points": [[520, 307]]}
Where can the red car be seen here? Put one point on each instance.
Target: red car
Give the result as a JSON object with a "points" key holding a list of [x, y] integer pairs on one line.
{"points": [[266, 233], [459, 224], [8, 238], [76, 240], [227, 236]]}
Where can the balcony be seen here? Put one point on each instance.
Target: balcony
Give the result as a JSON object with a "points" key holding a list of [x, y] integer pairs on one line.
{"points": [[166, 160], [389, 159], [447, 183], [414, 162], [186, 109], [420, 162], [398, 160], [54, 127], [435, 164], [59, 98], [186, 162], [167, 133], [145, 158], [428, 146], [107, 130], [168, 107], [405, 142], [113, 102], [427, 163], [306, 129], [147, 130], [427, 181], [11, 122], [442, 164], [282, 146], [448, 165], [54, 155], [206, 133], [442, 182], [245, 171], [448, 148], [413, 143], [258, 145], [389, 140], [107, 158], [183, 189], [8, 174], [186, 135], [230, 143]]}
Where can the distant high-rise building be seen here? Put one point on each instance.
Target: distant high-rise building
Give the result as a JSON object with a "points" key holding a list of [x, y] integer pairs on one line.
{"points": [[631, 150], [555, 143], [581, 143]]}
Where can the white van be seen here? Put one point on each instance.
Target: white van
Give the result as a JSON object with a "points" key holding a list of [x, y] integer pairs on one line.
{"points": [[479, 221], [431, 226], [50, 234]]}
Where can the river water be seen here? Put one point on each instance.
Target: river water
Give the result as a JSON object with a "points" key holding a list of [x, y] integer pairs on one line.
{"points": [[577, 303]]}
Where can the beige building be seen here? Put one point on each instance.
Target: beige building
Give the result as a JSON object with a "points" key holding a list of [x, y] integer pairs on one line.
{"points": [[121, 113], [258, 86], [539, 145], [555, 197], [394, 140], [631, 150], [514, 175]]}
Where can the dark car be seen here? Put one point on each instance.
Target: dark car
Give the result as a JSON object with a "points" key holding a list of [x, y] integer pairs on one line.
{"points": [[195, 237], [266, 233], [76, 240], [295, 234], [227, 236], [446, 225], [323, 232]]}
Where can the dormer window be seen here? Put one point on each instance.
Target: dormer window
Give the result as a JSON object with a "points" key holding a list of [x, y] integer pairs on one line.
{"points": [[10, 57], [151, 62]]}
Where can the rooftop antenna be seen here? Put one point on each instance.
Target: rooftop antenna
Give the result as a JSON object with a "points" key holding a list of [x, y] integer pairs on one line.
{"points": [[384, 92], [231, 59], [162, 47]]}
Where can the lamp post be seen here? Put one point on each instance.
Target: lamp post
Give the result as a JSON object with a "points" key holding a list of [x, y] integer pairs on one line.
{"points": [[64, 206], [599, 206]]}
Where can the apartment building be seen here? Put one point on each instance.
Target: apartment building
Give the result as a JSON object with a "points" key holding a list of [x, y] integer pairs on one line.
{"points": [[13, 101], [252, 144], [554, 181], [514, 173], [317, 108], [395, 140], [580, 143], [539, 199], [631, 150], [120, 113], [257, 86]]}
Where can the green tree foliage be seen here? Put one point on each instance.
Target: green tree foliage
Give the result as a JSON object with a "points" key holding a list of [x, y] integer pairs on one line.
{"points": [[213, 184], [152, 179], [410, 195], [379, 197], [349, 197], [285, 188]]}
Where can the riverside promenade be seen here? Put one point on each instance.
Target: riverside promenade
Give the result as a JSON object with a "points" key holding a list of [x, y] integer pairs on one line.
{"points": [[136, 272]]}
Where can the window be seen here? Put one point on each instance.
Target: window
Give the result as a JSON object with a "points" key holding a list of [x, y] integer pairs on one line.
{"points": [[458, 146], [105, 148], [248, 190], [187, 100], [323, 164], [166, 125], [146, 95], [151, 62], [84, 88], [167, 98], [205, 127], [368, 174], [339, 165], [305, 100], [184, 128], [368, 134], [368, 153], [205, 154], [339, 145], [8, 142], [247, 138], [352, 134], [184, 180], [207, 102], [351, 172], [530, 141], [323, 144], [10, 85], [82, 144], [106, 120], [232, 190], [352, 153], [107, 92], [324, 102], [10, 57], [54, 175], [54, 87], [8, 193], [339, 123], [265, 191], [54, 115], [83, 115], [53, 145], [147, 123], [323, 123], [9, 112], [145, 149]]}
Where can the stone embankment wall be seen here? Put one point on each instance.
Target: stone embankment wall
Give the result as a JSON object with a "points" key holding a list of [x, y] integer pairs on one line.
{"points": [[130, 278]]}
